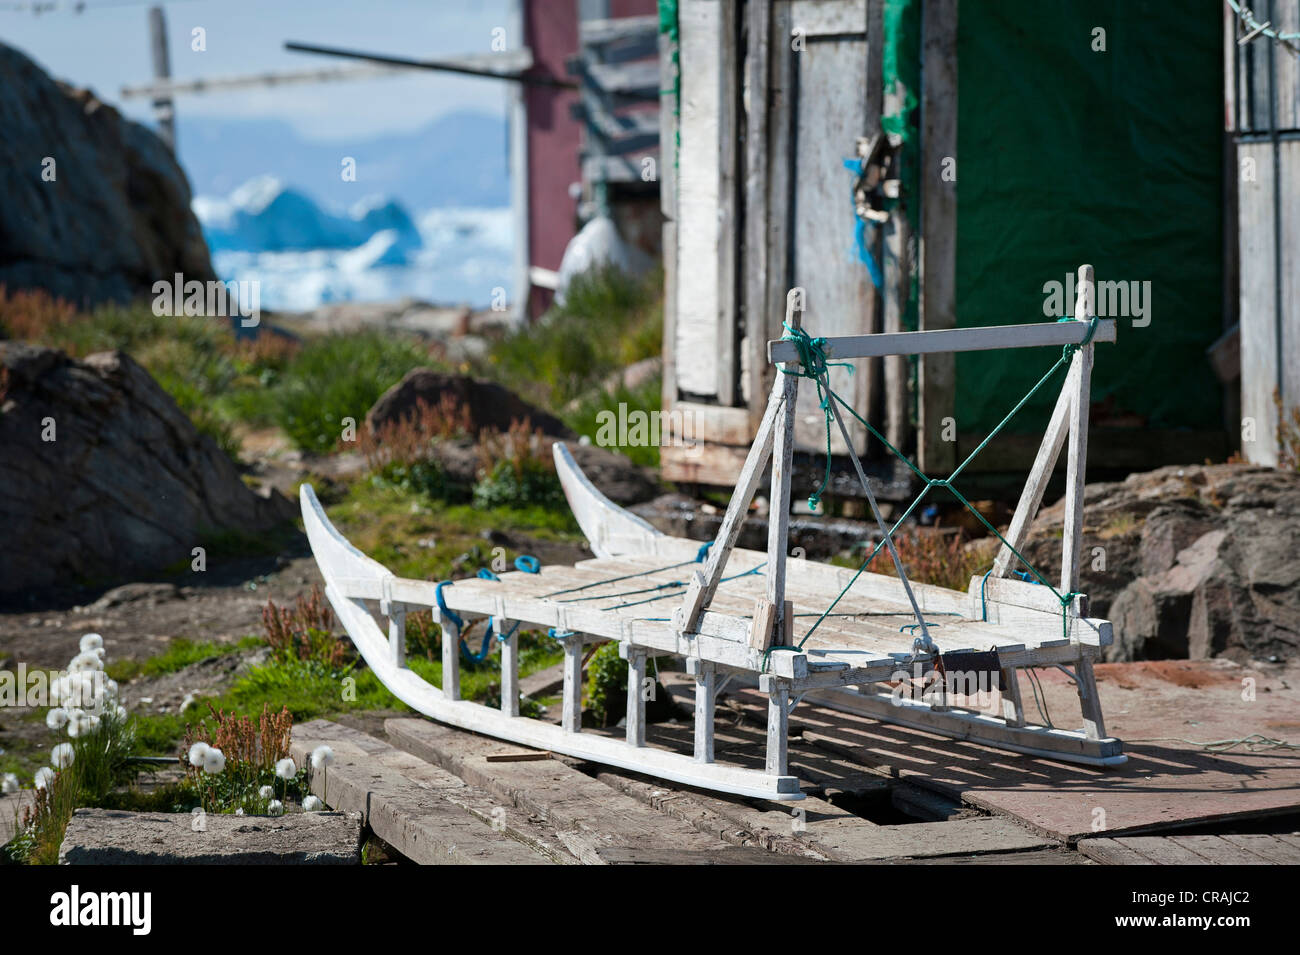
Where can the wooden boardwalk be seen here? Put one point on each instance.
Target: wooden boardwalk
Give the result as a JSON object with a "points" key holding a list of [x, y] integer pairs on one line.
{"points": [[1253, 849]]}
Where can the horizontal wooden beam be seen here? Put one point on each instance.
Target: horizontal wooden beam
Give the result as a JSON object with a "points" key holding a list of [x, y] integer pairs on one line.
{"points": [[1038, 335]]}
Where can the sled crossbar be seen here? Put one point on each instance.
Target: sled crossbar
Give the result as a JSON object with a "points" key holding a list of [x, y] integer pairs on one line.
{"points": [[928, 342]]}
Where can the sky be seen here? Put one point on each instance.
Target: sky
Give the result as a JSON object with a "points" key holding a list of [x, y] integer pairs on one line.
{"points": [[106, 47]]}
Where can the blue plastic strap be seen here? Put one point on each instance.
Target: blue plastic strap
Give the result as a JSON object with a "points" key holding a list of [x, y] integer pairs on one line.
{"points": [[528, 564]]}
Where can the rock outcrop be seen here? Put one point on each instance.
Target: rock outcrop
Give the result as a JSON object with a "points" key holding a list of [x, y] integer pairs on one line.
{"points": [[103, 476], [1190, 562], [96, 208], [487, 405]]}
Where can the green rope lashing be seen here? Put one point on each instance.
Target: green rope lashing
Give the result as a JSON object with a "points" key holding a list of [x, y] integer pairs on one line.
{"points": [[813, 364]]}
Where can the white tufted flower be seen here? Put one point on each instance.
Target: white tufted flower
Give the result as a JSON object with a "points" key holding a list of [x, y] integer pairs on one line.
{"points": [[286, 768], [91, 641], [56, 718], [275, 808], [8, 783], [214, 762], [198, 752], [44, 776], [61, 756], [266, 792], [321, 757], [312, 804]]}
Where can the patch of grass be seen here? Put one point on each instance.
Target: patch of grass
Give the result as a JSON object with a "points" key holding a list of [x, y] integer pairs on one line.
{"points": [[337, 377], [609, 321], [179, 654], [592, 418]]}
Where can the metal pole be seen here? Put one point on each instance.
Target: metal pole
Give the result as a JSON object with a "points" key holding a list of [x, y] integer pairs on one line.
{"points": [[163, 110]]}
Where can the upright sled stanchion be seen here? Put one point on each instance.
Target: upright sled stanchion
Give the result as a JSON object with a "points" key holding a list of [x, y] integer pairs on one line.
{"points": [[849, 639]]}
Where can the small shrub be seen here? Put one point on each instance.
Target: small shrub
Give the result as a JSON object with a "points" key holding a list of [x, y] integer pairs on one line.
{"points": [[304, 633], [516, 471], [408, 440], [931, 558], [337, 377]]}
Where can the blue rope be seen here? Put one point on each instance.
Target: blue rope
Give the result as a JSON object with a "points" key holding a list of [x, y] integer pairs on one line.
{"points": [[528, 564]]}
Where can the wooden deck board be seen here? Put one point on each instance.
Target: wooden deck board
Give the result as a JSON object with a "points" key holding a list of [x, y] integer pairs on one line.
{"points": [[848, 639], [1253, 849], [1164, 786]]}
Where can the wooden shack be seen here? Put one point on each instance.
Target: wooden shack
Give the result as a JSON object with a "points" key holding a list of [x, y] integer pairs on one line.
{"points": [[1262, 189], [1018, 138]]}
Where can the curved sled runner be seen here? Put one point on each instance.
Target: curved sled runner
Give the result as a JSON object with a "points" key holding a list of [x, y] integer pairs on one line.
{"points": [[912, 654]]}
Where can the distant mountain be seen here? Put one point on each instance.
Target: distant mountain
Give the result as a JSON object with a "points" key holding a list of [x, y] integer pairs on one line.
{"points": [[458, 160]]}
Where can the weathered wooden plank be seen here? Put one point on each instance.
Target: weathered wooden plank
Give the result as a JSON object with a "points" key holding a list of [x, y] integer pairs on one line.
{"points": [[700, 198], [1219, 851], [587, 813], [1077, 461], [938, 181], [1112, 852], [1037, 335], [402, 802], [1271, 848], [1036, 483], [731, 855]]}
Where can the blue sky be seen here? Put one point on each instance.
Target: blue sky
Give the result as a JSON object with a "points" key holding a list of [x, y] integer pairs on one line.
{"points": [[107, 46]]}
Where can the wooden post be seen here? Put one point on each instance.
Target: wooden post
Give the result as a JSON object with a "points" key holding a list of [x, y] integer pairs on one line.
{"points": [[635, 723], [706, 681], [571, 718], [778, 726], [509, 666], [1041, 472], [1094, 727], [937, 374], [1013, 708], [450, 657], [396, 614], [163, 110], [1078, 455], [704, 583], [778, 511]]}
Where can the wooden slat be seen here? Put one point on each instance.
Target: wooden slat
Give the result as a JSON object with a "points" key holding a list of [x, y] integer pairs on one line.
{"points": [[1038, 335], [1112, 852], [588, 813]]}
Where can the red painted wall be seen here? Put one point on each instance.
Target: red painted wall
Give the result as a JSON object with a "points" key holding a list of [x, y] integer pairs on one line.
{"points": [[554, 136]]}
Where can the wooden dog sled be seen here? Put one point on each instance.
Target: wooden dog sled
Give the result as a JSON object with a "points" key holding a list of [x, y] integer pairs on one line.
{"points": [[755, 616]]}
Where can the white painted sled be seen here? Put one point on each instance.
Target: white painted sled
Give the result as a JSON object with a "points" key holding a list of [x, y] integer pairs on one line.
{"points": [[745, 614]]}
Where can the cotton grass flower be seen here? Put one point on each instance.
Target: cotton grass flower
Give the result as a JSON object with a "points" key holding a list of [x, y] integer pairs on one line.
{"points": [[44, 777], [198, 752], [61, 756], [312, 804], [8, 783], [266, 792], [275, 808], [214, 762], [286, 768], [91, 641], [56, 718], [321, 757]]}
